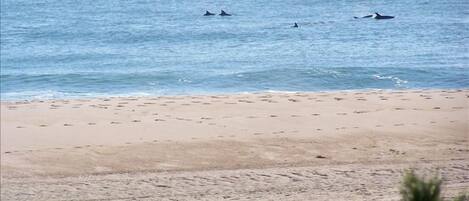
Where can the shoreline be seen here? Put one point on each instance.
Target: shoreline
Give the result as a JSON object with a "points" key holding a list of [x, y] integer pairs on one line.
{"points": [[231, 93]]}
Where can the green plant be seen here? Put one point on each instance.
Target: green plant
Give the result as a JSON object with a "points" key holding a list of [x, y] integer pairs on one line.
{"points": [[415, 188]]}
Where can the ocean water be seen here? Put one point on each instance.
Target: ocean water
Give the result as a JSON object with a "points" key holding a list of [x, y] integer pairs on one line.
{"points": [[88, 48]]}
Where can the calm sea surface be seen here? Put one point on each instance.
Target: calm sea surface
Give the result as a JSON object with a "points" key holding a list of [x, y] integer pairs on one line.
{"points": [[87, 48]]}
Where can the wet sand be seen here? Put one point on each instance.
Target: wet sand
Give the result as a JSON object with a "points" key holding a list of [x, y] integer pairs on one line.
{"points": [[351, 145]]}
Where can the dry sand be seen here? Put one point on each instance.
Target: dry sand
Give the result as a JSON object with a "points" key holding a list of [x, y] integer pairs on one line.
{"points": [[266, 146]]}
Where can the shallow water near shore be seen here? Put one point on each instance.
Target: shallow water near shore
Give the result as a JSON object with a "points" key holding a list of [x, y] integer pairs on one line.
{"points": [[60, 49]]}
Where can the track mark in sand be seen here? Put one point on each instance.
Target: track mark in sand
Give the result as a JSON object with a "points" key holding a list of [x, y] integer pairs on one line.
{"points": [[136, 120], [341, 113], [398, 108], [115, 122], [379, 126], [230, 103], [294, 115], [91, 123], [67, 124], [19, 127], [458, 107], [293, 100], [315, 114], [43, 125], [360, 111], [433, 122], [399, 124], [272, 115], [278, 132], [318, 129], [436, 108], [160, 120], [338, 99], [245, 101], [257, 133]]}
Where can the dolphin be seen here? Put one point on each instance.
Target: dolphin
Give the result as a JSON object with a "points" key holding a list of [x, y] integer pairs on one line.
{"points": [[223, 13], [376, 16], [382, 17], [208, 13]]}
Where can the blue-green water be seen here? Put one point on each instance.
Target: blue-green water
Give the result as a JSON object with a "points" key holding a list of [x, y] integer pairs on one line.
{"points": [[64, 48]]}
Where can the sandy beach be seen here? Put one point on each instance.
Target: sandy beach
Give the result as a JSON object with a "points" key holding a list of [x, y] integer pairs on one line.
{"points": [[344, 145]]}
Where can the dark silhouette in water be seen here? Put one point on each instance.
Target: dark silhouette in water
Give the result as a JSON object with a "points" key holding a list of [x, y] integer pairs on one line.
{"points": [[208, 13], [382, 17], [295, 26], [376, 16], [223, 13]]}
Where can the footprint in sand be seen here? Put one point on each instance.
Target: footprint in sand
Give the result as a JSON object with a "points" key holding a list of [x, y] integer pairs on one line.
{"points": [[67, 124], [341, 113], [136, 121], [293, 100], [315, 114], [19, 127], [398, 124], [257, 133], [43, 125], [360, 111], [91, 123], [338, 99], [273, 115], [436, 108], [115, 122], [160, 120]]}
